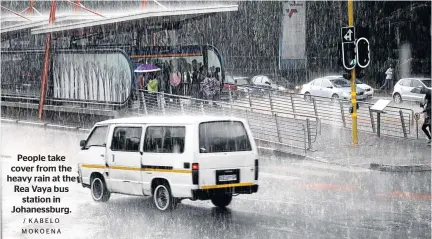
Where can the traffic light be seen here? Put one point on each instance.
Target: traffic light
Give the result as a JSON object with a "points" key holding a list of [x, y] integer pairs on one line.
{"points": [[363, 53], [349, 55]]}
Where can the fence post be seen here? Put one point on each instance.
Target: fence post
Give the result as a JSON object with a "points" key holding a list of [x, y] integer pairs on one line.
{"points": [[315, 107], [342, 113], [372, 120], [162, 103], [231, 102], [277, 128], [144, 102], [271, 102], [304, 139], [378, 124], [247, 116], [308, 134], [250, 100], [202, 108], [403, 124], [293, 107], [181, 106]]}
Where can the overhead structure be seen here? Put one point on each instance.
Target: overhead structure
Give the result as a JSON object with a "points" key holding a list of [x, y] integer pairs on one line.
{"points": [[90, 21]]}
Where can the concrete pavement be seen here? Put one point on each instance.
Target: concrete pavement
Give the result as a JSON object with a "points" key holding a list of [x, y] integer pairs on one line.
{"points": [[334, 145]]}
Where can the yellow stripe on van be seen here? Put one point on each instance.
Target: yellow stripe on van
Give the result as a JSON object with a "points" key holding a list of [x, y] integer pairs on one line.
{"points": [[226, 185], [92, 166], [168, 170], [136, 169], [125, 168]]}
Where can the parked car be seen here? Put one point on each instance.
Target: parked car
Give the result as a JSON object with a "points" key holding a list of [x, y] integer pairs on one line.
{"points": [[369, 91], [245, 86], [266, 83], [170, 159], [230, 85], [335, 87], [403, 90]]}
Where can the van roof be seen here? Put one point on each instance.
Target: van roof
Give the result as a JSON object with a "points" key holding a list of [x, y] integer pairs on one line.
{"points": [[171, 119]]}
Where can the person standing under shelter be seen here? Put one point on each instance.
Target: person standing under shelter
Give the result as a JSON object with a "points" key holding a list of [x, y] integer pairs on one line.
{"points": [[152, 88]]}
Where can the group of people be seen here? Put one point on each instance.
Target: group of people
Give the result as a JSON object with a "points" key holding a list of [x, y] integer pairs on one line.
{"points": [[194, 80]]}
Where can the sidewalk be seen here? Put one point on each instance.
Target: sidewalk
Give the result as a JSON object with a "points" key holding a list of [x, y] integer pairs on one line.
{"points": [[334, 145]]}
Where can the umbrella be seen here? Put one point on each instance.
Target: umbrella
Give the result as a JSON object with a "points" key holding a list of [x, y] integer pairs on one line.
{"points": [[147, 68]]}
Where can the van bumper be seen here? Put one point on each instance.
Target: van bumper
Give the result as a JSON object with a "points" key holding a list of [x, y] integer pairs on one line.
{"points": [[205, 194]]}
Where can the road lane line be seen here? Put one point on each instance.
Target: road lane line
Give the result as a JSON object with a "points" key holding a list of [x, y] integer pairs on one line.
{"points": [[278, 176], [408, 195], [334, 167], [334, 187]]}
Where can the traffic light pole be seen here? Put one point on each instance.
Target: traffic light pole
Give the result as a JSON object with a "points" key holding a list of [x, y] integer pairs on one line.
{"points": [[353, 83]]}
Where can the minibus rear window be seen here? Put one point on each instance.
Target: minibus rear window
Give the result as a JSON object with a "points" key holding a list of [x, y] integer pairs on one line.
{"points": [[223, 136]]}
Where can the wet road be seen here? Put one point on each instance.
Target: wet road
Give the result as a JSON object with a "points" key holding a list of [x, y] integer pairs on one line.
{"points": [[296, 199]]}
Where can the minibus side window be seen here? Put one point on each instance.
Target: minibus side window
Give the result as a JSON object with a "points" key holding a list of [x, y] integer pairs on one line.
{"points": [[97, 137], [126, 139], [223, 136], [164, 139]]}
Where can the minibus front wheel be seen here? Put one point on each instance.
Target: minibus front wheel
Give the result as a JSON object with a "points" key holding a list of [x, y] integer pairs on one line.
{"points": [[98, 188]]}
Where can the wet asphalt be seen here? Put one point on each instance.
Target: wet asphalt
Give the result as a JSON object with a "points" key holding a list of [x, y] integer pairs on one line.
{"points": [[296, 199]]}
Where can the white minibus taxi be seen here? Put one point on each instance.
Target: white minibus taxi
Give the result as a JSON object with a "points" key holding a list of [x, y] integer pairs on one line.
{"points": [[170, 158]]}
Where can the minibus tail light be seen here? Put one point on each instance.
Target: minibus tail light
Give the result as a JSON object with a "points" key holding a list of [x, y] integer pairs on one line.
{"points": [[195, 173], [195, 166]]}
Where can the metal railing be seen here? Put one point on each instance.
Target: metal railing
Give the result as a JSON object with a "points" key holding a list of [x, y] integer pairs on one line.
{"points": [[284, 129], [395, 121]]}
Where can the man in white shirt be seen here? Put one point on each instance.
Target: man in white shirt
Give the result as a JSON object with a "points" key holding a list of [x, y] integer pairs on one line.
{"points": [[389, 79]]}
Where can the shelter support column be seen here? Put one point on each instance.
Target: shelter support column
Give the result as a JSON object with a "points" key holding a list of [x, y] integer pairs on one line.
{"points": [[47, 61]]}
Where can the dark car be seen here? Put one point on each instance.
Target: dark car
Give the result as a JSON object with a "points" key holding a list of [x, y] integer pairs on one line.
{"points": [[229, 86]]}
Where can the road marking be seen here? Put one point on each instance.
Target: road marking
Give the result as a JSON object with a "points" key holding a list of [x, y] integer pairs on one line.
{"points": [[284, 229], [301, 171], [334, 167], [408, 195], [334, 187], [278, 176]]}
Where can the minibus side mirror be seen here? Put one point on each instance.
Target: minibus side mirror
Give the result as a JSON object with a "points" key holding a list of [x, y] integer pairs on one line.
{"points": [[82, 143]]}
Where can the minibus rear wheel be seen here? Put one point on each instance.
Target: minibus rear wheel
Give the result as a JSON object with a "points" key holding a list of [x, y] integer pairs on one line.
{"points": [[221, 200], [162, 197]]}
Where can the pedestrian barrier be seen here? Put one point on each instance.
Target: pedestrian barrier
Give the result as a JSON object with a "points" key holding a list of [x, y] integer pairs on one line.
{"points": [[394, 122], [287, 120], [295, 131]]}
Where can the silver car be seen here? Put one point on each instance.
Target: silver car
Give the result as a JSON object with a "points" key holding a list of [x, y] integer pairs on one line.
{"points": [[331, 86], [404, 89]]}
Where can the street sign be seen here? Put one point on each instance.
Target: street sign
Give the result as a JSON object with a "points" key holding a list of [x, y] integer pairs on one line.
{"points": [[349, 59], [348, 34], [363, 53]]}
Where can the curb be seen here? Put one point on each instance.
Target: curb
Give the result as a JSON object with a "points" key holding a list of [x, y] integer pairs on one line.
{"points": [[400, 168], [45, 125], [280, 153]]}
